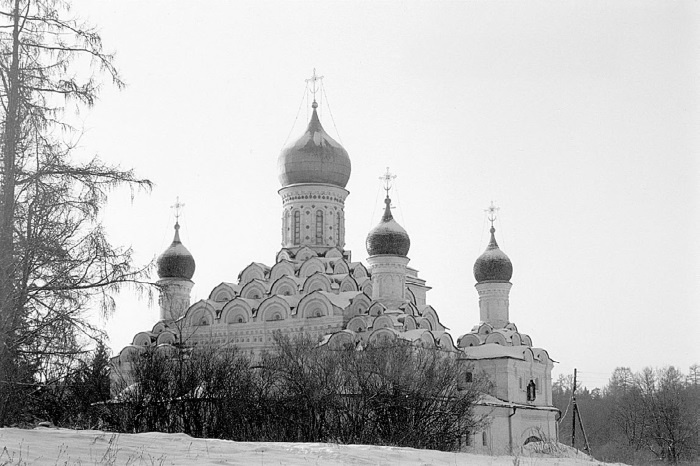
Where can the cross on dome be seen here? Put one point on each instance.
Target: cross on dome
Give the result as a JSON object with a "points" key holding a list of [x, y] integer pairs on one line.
{"points": [[387, 178], [492, 209], [315, 157], [313, 79], [388, 238], [176, 261], [493, 265], [178, 209]]}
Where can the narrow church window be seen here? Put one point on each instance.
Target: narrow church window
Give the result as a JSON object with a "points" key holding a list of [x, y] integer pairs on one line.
{"points": [[469, 377], [319, 227], [337, 228], [483, 438], [297, 227], [531, 391], [285, 226]]}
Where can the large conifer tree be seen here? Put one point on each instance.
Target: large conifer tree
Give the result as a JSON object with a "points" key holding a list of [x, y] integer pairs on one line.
{"points": [[54, 254]]}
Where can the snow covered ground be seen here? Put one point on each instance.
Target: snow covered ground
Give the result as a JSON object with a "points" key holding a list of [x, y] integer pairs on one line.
{"points": [[50, 446]]}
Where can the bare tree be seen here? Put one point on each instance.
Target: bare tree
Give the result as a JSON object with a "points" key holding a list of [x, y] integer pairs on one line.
{"points": [[674, 415], [55, 257], [392, 393], [657, 412], [625, 411], [694, 375]]}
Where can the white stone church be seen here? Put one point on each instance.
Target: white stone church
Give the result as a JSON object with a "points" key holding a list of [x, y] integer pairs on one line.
{"points": [[315, 287]]}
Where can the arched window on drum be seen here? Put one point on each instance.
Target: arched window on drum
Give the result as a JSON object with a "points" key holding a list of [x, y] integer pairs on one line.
{"points": [[337, 228], [297, 227], [285, 228], [341, 228], [319, 227]]}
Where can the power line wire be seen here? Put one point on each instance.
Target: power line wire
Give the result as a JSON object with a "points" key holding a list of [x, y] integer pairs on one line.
{"points": [[303, 97], [330, 112]]}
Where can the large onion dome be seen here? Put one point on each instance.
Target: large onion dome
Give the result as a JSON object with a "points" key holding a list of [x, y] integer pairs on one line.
{"points": [[176, 261], [388, 237], [314, 158], [493, 265]]}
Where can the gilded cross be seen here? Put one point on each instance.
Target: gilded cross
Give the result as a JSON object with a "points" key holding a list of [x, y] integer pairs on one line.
{"points": [[313, 79], [178, 208], [387, 178], [492, 209]]}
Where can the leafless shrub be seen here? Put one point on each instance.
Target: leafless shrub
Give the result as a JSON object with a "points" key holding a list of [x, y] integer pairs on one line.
{"points": [[388, 394]]}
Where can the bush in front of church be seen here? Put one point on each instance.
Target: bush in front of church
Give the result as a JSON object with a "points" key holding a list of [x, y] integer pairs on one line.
{"points": [[389, 393]]}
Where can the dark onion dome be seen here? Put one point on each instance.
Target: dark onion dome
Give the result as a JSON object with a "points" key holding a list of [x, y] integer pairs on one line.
{"points": [[314, 158], [176, 261], [388, 237], [493, 265]]}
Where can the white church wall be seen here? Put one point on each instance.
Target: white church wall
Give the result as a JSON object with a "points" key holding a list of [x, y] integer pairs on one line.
{"points": [[510, 378], [509, 428]]}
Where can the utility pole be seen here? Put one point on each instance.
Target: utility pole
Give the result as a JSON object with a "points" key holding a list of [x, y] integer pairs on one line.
{"points": [[586, 445], [573, 417], [577, 415]]}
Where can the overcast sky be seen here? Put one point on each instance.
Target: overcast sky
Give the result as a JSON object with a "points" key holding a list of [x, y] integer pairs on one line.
{"points": [[578, 119]]}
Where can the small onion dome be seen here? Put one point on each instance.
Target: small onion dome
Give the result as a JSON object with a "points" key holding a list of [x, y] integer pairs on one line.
{"points": [[176, 261], [314, 158], [388, 237], [493, 265]]}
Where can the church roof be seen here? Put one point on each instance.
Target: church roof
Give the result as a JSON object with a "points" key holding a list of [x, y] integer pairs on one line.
{"points": [[388, 237], [492, 351], [176, 261], [341, 299], [496, 351], [314, 158], [493, 265], [492, 401]]}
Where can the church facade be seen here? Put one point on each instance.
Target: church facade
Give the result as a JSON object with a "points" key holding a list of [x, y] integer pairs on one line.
{"points": [[315, 287]]}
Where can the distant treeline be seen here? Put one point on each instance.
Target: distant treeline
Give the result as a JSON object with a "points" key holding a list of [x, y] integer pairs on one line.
{"points": [[637, 418]]}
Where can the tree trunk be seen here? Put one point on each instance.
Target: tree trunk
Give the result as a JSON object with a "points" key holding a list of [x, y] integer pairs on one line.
{"points": [[8, 308]]}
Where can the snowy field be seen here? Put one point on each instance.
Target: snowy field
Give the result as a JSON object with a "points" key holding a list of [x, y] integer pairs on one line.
{"points": [[48, 446]]}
